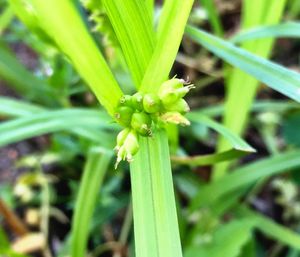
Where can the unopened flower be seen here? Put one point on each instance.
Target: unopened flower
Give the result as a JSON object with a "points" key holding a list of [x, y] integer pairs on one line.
{"points": [[179, 106], [175, 118], [141, 122], [172, 90], [137, 101], [151, 103], [128, 149], [123, 115]]}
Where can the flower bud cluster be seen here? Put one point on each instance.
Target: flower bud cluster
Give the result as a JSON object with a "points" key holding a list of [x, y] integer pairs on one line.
{"points": [[140, 113]]}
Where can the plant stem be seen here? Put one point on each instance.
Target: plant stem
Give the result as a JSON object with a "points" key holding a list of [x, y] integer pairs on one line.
{"points": [[14, 222], [154, 210]]}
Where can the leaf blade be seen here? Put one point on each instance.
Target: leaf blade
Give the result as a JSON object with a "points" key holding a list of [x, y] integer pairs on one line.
{"points": [[275, 76], [65, 26], [98, 161], [155, 219], [134, 30], [169, 34]]}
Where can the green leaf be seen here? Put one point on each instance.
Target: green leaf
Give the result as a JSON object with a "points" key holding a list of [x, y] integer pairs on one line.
{"points": [[227, 241], [6, 17], [235, 141], [277, 106], [155, 220], [288, 29], [4, 242], [246, 175], [96, 166], [150, 6], [270, 228], [21, 80], [208, 159], [275, 76], [290, 129], [16, 108], [239, 98], [134, 30], [89, 125], [240, 147], [169, 34], [213, 17], [65, 26]]}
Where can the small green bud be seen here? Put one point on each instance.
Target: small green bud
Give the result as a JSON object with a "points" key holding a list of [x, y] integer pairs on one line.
{"points": [[126, 100], [141, 122], [179, 106], [121, 137], [123, 115], [173, 83], [181, 92], [167, 90], [172, 90], [131, 145], [137, 101], [128, 149], [151, 103], [175, 118]]}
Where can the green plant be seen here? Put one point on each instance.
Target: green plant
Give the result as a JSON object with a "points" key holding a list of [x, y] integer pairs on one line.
{"points": [[140, 107]]}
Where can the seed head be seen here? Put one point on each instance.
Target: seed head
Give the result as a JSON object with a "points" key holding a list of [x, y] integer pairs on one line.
{"points": [[175, 118], [123, 115], [141, 122], [151, 103]]}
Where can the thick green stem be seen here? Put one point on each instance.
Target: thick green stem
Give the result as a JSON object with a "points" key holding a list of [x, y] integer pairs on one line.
{"points": [[155, 218]]}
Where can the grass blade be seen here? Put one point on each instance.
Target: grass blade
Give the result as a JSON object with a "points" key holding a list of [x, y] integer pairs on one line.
{"points": [[222, 244], [288, 29], [134, 30], [213, 17], [271, 229], [16, 108], [65, 26], [240, 147], [266, 12], [96, 166], [275, 76], [245, 176], [208, 159], [6, 18], [235, 141], [169, 34], [21, 80], [54, 121], [150, 6], [278, 106], [155, 219]]}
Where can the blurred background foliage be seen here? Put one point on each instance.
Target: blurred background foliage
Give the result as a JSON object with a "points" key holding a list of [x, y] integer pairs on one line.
{"points": [[56, 138]]}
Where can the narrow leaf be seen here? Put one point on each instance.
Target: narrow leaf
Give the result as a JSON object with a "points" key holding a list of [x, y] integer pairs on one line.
{"points": [[266, 12], [209, 159], [169, 35], [134, 30], [275, 76], [277, 106], [21, 80], [271, 229], [213, 17], [54, 121], [65, 26], [235, 141], [288, 29], [93, 175], [227, 241], [16, 108], [155, 220], [245, 176]]}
